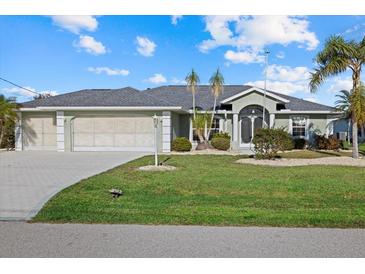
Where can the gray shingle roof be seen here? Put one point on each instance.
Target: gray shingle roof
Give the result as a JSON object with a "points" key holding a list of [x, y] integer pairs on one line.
{"points": [[179, 95], [164, 96], [100, 97]]}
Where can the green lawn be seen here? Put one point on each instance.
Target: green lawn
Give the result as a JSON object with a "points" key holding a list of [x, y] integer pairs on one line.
{"points": [[214, 190]]}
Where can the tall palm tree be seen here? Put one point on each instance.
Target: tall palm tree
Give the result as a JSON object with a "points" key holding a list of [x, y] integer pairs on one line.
{"points": [[336, 57], [192, 80], [216, 84], [7, 114], [344, 104]]}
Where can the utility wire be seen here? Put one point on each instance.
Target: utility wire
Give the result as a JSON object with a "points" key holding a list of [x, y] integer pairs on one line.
{"points": [[32, 91]]}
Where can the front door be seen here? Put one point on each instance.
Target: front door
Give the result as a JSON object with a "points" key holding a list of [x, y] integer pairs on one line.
{"points": [[248, 127]]}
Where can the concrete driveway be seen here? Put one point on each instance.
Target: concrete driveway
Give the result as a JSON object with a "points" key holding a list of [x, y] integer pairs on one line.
{"points": [[30, 178]]}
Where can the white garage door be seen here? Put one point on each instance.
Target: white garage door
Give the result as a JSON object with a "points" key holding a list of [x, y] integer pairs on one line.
{"points": [[112, 133], [39, 132]]}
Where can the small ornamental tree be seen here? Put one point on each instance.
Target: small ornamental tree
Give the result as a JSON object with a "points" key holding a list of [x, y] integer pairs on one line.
{"points": [[268, 142]]}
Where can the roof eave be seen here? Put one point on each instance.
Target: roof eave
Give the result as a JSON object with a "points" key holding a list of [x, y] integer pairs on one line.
{"points": [[136, 108]]}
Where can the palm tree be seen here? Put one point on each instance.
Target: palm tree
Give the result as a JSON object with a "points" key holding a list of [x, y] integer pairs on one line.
{"points": [[216, 84], [7, 114], [192, 80], [343, 104], [338, 56]]}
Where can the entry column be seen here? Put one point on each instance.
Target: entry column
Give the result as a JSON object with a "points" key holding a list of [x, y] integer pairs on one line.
{"points": [[60, 119]]}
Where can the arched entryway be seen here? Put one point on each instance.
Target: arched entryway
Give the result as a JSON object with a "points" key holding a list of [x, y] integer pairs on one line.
{"points": [[250, 119]]}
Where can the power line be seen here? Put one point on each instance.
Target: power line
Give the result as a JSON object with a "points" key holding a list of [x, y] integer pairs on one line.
{"points": [[32, 91]]}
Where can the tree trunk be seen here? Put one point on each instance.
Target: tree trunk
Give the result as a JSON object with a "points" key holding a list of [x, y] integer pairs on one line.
{"points": [[348, 130], [355, 145], [211, 119], [356, 85], [194, 104]]}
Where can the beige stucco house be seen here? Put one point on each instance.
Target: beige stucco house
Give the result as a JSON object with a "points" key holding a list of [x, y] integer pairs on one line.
{"points": [[121, 119]]}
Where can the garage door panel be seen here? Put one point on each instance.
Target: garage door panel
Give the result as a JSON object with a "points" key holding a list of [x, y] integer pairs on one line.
{"points": [[49, 139], [103, 125], [49, 125], [106, 140], [35, 124], [144, 140], [83, 125], [144, 125], [121, 133], [83, 139], [39, 132], [125, 125]]}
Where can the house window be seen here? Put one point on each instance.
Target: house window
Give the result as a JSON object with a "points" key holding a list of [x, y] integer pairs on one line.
{"points": [[215, 128], [299, 126]]}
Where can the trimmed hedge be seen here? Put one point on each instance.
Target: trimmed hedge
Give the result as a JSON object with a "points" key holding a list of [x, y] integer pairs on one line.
{"points": [[221, 143], [181, 144], [269, 141], [222, 135], [300, 143]]}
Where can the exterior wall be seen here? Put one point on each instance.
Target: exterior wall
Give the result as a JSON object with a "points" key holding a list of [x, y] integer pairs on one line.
{"points": [[253, 98], [184, 122], [318, 123], [175, 125]]}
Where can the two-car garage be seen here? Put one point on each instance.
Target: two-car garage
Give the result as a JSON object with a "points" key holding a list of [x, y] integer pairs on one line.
{"points": [[112, 133], [82, 132]]}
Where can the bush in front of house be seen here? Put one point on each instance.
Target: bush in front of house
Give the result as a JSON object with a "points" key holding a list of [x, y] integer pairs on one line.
{"points": [[221, 143], [181, 144], [300, 143], [330, 143], [222, 135], [269, 141]]}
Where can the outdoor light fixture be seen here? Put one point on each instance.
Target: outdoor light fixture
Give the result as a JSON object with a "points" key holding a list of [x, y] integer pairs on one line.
{"points": [[155, 125]]}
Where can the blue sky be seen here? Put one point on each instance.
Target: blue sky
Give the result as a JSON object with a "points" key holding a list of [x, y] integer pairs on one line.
{"points": [[67, 53]]}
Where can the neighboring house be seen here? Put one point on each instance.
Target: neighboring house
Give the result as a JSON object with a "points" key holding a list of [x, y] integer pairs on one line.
{"points": [[121, 119], [343, 129]]}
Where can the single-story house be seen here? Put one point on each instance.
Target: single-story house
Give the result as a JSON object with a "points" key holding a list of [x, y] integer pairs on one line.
{"points": [[121, 119]]}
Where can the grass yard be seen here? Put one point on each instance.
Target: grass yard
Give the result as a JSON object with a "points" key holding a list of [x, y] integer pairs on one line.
{"points": [[214, 190]]}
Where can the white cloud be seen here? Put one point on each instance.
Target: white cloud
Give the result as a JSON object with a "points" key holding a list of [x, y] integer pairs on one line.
{"points": [[177, 81], [145, 46], [157, 78], [244, 57], [339, 83], [285, 79], [108, 71], [254, 33], [280, 55], [26, 93], [90, 45], [175, 19], [75, 24], [281, 86], [287, 73]]}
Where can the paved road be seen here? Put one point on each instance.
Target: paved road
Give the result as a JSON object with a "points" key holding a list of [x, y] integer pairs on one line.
{"points": [[29, 178], [18, 239]]}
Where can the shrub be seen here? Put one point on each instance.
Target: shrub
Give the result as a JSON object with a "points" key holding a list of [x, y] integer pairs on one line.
{"points": [[181, 144], [268, 142], [221, 143], [300, 143], [330, 143], [222, 135]]}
